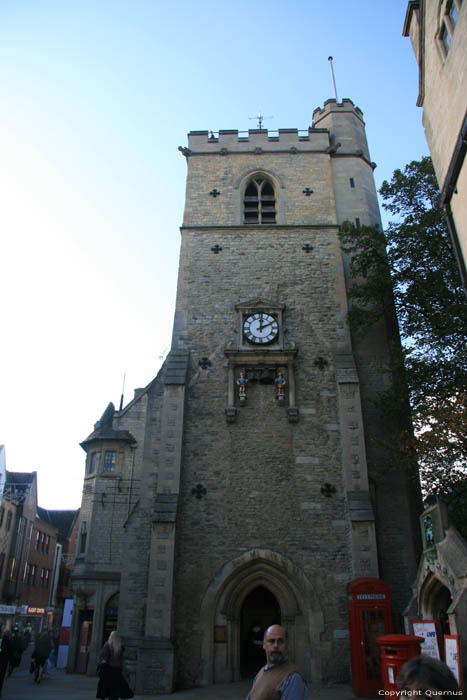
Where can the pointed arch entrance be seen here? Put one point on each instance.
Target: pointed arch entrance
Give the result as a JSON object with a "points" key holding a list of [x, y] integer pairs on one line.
{"points": [[436, 601], [436, 598], [260, 584], [259, 611]]}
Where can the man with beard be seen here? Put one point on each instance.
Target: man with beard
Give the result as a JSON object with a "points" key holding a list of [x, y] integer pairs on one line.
{"points": [[279, 679]]}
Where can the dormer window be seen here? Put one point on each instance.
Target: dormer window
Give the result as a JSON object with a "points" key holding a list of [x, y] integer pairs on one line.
{"points": [[259, 202]]}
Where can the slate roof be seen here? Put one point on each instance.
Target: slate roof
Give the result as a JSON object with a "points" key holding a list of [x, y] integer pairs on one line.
{"points": [[63, 520], [103, 430]]}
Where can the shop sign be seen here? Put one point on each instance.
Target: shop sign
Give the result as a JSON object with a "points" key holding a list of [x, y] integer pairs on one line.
{"points": [[35, 611], [7, 609]]}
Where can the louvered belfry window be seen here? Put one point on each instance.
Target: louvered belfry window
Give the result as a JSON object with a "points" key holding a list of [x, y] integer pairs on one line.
{"points": [[260, 202]]}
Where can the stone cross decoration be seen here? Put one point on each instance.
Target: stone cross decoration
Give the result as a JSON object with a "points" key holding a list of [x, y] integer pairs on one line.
{"points": [[328, 490], [216, 249], [214, 193], [199, 491], [307, 248], [321, 363], [204, 363], [307, 191]]}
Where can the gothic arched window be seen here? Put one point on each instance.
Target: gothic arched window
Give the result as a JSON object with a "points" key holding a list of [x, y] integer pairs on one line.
{"points": [[259, 202]]}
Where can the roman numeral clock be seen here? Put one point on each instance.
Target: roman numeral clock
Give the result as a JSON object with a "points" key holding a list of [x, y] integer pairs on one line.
{"points": [[261, 357], [260, 328]]}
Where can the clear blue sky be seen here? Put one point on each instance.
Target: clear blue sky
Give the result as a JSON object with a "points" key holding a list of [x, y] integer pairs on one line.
{"points": [[96, 97]]}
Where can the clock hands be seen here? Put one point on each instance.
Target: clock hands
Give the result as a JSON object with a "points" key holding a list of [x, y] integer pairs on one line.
{"points": [[260, 328], [263, 325]]}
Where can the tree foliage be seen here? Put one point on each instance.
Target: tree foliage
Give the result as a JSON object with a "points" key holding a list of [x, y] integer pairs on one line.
{"points": [[412, 266]]}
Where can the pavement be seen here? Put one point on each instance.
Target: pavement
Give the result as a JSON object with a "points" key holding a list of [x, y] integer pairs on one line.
{"points": [[59, 684]]}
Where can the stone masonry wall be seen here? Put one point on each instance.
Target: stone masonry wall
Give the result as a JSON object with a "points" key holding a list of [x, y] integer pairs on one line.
{"points": [[263, 476]]}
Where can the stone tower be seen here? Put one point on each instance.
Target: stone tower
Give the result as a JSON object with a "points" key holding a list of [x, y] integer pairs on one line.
{"points": [[247, 486]]}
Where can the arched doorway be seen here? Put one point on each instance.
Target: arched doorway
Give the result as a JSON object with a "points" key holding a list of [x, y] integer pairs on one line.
{"points": [[224, 615], [110, 616], [259, 611], [437, 599]]}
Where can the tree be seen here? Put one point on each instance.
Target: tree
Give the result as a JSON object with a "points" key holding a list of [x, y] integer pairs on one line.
{"points": [[412, 267]]}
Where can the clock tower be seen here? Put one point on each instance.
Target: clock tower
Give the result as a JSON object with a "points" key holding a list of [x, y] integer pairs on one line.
{"points": [[259, 485]]}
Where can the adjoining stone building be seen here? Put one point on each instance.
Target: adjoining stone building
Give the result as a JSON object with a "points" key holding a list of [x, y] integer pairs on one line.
{"points": [[440, 587], [247, 483], [438, 32]]}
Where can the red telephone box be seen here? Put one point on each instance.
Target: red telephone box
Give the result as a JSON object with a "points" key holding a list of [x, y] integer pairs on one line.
{"points": [[369, 617]]}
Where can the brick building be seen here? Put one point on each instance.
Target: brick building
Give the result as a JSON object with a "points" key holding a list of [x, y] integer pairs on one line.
{"points": [[21, 491], [247, 483], [37, 549], [38, 574], [66, 522], [7, 523]]}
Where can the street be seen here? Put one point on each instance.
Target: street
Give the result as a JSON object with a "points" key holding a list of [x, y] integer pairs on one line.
{"points": [[59, 684]]}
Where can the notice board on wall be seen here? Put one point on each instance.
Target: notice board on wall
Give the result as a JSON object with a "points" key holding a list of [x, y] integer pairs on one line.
{"points": [[427, 630], [452, 655]]}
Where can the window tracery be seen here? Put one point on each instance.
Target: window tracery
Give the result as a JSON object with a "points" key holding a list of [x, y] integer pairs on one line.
{"points": [[259, 202]]}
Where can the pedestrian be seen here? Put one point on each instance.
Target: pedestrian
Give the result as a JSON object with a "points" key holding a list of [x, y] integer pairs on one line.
{"points": [[17, 648], [279, 678], [112, 684], [425, 676], [5, 655], [27, 634], [41, 654]]}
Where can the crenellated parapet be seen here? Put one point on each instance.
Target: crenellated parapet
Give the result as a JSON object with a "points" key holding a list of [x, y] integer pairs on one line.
{"points": [[256, 141], [346, 127], [339, 107]]}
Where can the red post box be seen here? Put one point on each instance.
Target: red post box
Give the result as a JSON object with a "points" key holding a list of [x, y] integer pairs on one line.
{"points": [[396, 649], [369, 617]]}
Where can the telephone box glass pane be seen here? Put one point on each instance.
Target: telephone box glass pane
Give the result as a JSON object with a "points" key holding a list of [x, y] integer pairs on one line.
{"points": [[373, 627]]}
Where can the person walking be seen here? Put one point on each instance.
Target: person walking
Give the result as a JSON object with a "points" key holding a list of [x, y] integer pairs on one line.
{"points": [[5, 655], [112, 684], [41, 654], [17, 648]]}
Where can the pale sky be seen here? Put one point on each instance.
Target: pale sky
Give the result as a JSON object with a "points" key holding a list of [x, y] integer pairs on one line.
{"points": [[96, 97]]}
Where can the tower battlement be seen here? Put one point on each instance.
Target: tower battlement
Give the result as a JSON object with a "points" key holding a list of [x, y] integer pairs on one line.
{"points": [[338, 107], [233, 140], [314, 138]]}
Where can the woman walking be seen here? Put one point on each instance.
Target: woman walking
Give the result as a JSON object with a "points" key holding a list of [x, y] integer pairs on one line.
{"points": [[112, 684]]}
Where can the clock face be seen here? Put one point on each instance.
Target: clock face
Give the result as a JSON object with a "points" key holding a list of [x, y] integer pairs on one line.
{"points": [[260, 328]]}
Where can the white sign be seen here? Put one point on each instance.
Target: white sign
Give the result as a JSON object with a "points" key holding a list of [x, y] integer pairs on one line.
{"points": [[67, 612], [427, 630], [7, 609], [451, 648]]}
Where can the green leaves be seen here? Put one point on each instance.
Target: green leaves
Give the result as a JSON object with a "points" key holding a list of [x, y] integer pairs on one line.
{"points": [[412, 267]]}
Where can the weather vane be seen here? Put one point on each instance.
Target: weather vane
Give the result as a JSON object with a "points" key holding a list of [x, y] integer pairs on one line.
{"points": [[260, 118]]}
